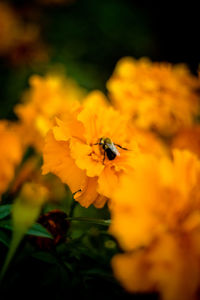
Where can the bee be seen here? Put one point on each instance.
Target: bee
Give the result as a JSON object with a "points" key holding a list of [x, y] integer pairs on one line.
{"points": [[109, 148]]}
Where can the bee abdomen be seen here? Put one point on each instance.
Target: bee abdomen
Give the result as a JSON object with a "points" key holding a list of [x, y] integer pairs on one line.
{"points": [[110, 154]]}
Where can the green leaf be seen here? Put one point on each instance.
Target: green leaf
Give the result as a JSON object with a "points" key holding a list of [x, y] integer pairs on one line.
{"points": [[36, 229], [91, 220], [45, 257], [17, 236], [7, 224], [39, 230], [5, 210], [98, 272], [4, 238]]}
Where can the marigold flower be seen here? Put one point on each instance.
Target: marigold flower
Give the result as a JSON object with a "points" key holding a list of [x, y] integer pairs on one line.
{"points": [[156, 96], [156, 219], [48, 96], [11, 154], [72, 150], [55, 221], [188, 138], [148, 142]]}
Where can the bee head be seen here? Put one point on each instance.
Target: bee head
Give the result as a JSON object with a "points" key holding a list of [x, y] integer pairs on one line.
{"points": [[105, 140]]}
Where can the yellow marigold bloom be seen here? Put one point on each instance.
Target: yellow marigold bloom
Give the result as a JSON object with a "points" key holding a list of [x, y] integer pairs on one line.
{"points": [[188, 138], [74, 150], [48, 96], [148, 142], [156, 96], [11, 154], [156, 219]]}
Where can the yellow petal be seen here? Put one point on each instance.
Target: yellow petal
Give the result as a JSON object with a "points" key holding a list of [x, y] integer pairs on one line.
{"points": [[88, 194], [57, 160], [82, 154]]}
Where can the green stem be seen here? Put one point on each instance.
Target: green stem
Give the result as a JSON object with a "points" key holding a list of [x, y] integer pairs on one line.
{"points": [[90, 220], [73, 205], [16, 239]]}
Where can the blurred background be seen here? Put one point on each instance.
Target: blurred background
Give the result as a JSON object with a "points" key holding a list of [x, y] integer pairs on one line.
{"points": [[86, 38]]}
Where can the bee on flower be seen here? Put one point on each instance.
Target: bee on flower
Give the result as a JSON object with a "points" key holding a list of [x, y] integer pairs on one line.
{"points": [[90, 149]]}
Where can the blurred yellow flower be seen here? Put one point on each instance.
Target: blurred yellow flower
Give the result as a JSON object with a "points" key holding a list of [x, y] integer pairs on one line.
{"points": [[188, 138], [156, 219], [156, 96], [48, 97], [74, 150], [11, 154], [148, 142]]}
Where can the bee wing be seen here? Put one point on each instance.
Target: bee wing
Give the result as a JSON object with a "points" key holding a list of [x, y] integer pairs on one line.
{"points": [[113, 148]]}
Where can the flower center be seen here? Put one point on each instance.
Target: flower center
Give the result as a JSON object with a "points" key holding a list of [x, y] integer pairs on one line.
{"points": [[107, 148]]}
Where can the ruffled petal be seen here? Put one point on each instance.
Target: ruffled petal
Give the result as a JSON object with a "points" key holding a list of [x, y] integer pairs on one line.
{"points": [[108, 181], [82, 154], [88, 194], [57, 159]]}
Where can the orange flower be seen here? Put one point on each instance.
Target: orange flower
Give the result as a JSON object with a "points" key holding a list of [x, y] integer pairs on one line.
{"points": [[48, 96], [188, 138], [73, 151], [170, 267], [156, 96], [11, 154], [156, 218], [148, 142]]}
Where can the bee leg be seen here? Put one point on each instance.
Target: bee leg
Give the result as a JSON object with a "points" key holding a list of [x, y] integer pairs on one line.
{"points": [[97, 144], [120, 147]]}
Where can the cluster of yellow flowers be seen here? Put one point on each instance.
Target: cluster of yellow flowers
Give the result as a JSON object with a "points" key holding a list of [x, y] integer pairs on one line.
{"points": [[160, 97], [136, 149]]}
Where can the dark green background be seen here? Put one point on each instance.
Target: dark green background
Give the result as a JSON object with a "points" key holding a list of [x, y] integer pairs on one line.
{"points": [[89, 36]]}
